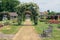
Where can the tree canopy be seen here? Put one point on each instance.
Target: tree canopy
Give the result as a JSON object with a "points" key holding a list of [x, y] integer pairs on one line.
{"points": [[8, 5], [20, 8], [51, 12]]}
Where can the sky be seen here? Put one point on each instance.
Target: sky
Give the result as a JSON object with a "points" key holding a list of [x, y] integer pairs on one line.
{"points": [[44, 5]]}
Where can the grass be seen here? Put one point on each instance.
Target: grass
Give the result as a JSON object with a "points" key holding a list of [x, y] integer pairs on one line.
{"points": [[3, 39], [11, 29], [42, 25]]}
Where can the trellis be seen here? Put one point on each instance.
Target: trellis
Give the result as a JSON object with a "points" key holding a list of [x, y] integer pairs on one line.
{"points": [[33, 8]]}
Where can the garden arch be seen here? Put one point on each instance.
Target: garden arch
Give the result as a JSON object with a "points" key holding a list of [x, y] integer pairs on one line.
{"points": [[29, 9], [28, 14]]}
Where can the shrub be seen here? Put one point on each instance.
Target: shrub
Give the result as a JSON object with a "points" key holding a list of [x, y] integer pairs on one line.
{"points": [[1, 25], [6, 23], [43, 20], [54, 21], [58, 25], [14, 20]]}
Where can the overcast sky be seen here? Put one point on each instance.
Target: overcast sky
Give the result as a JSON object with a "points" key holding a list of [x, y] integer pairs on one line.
{"points": [[53, 5]]}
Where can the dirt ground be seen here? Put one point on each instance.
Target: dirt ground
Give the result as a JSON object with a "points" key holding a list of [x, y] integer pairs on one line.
{"points": [[27, 32]]}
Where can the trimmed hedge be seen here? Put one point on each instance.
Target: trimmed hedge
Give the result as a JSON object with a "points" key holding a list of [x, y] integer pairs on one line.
{"points": [[43, 20]]}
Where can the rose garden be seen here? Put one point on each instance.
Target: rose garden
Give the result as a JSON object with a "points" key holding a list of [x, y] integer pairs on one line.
{"points": [[13, 14]]}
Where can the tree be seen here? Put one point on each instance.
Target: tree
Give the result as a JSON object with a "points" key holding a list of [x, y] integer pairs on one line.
{"points": [[1, 6], [52, 13], [48, 12], [8, 5]]}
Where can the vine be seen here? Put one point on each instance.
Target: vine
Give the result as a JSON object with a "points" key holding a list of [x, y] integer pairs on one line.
{"points": [[33, 8]]}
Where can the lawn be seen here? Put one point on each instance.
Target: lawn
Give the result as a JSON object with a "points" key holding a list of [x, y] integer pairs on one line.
{"points": [[56, 32], [10, 29]]}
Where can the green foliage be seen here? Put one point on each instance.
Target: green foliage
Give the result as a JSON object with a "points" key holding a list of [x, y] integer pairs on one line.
{"points": [[19, 20], [51, 13], [55, 34], [42, 20], [10, 29], [13, 5], [32, 7], [8, 5], [6, 23], [58, 25]]}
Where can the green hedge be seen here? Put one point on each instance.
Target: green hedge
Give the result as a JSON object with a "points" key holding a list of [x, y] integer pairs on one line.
{"points": [[43, 20], [58, 25]]}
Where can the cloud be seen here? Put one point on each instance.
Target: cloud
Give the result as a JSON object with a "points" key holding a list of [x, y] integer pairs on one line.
{"points": [[44, 5]]}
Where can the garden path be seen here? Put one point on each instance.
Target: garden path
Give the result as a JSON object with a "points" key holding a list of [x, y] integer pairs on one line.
{"points": [[27, 32]]}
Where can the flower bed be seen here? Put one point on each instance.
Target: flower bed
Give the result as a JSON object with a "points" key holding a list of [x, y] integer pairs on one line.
{"points": [[54, 21], [1, 25]]}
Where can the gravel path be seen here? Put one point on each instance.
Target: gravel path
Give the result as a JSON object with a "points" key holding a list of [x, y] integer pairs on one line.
{"points": [[27, 32]]}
